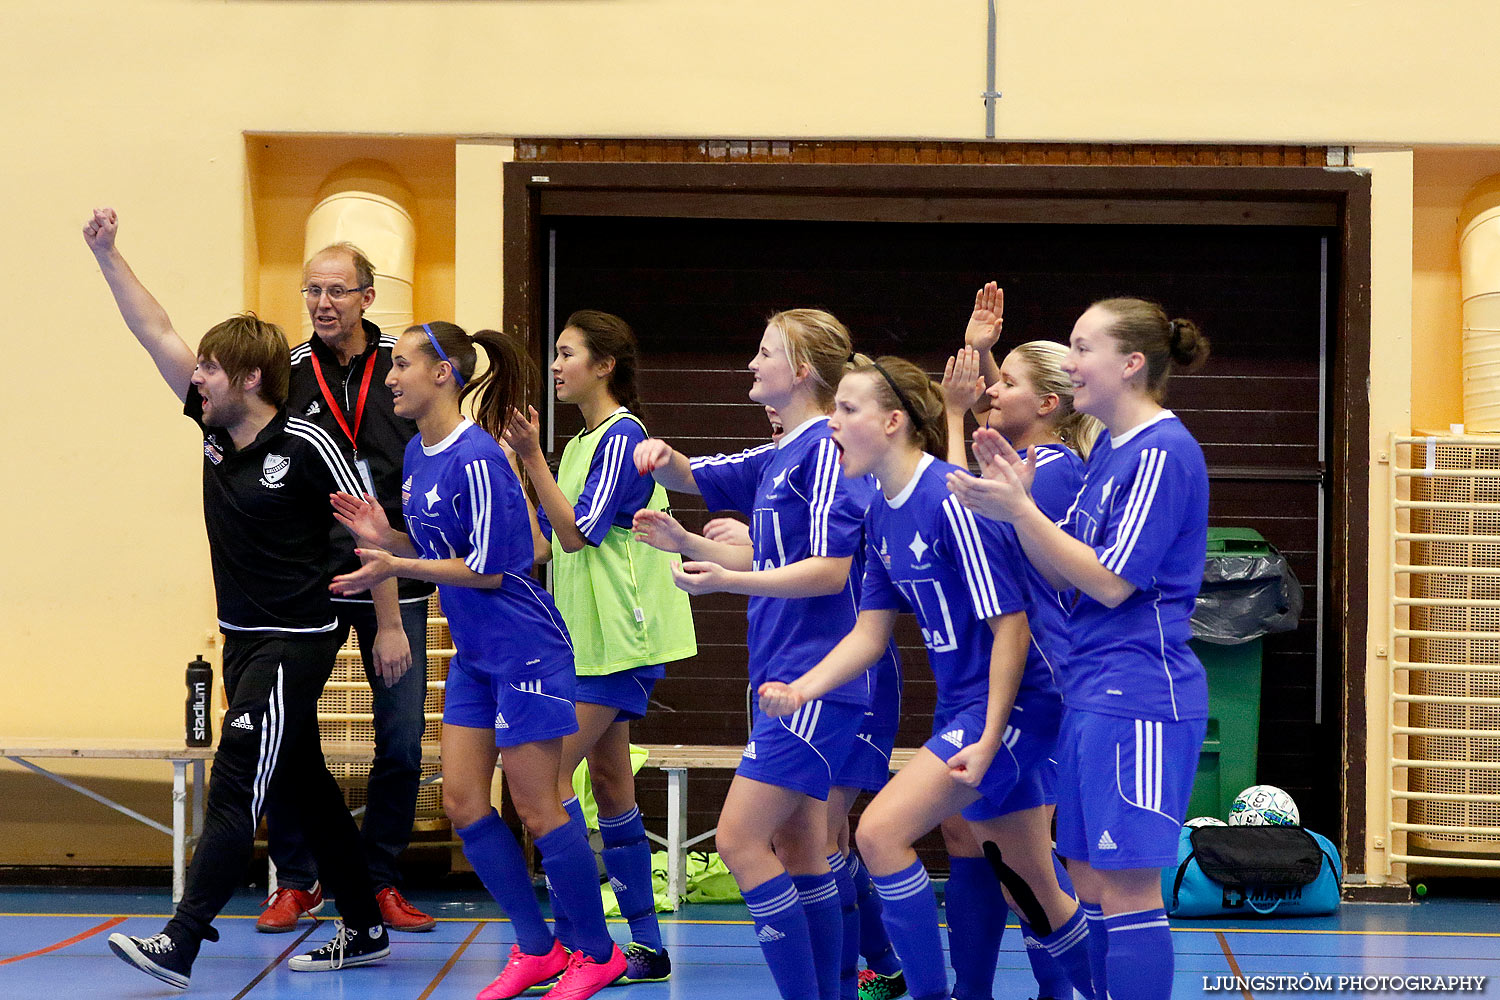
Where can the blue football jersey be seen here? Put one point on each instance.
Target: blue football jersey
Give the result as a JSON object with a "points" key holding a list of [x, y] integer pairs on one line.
{"points": [[1059, 474], [462, 501], [800, 505], [929, 554], [1143, 508], [613, 491]]}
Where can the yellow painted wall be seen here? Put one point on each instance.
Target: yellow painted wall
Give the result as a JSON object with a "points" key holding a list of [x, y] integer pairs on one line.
{"points": [[146, 105]]}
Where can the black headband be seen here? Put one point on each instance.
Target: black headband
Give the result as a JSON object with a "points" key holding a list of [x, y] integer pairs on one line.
{"points": [[905, 403]]}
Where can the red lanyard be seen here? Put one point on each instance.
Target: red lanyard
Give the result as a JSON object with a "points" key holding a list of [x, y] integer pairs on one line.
{"points": [[359, 405]]}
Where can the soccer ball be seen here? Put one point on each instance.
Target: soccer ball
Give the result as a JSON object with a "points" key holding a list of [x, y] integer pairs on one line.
{"points": [[1205, 821], [1264, 805]]}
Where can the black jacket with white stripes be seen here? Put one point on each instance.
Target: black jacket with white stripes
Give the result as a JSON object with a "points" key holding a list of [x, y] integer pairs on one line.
{"points": [[269, 522], [382, 434]]}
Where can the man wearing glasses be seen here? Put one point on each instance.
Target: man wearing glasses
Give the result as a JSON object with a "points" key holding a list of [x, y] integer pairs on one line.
{"points": [[338, 383]]}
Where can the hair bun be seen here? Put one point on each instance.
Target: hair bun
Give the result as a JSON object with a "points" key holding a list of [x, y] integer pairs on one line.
{"points": [[1186, 343]]}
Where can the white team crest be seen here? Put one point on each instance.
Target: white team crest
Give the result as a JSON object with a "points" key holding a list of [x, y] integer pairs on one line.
{"points": [[431, 496], [274, 469], [918, 547]]}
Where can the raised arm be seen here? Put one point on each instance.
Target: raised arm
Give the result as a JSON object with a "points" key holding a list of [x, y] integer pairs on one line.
{"points": [[142, 313], [983, 331], [962, 388]]}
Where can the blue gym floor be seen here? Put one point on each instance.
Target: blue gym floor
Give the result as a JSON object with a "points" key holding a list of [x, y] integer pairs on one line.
{"points": [[52, 945]]}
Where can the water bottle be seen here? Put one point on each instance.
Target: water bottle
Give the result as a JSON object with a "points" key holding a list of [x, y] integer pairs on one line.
{"points": [[200, 680]]}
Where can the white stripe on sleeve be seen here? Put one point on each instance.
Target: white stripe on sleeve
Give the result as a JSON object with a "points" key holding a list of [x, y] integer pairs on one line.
{"points": [[477, 473], [973, 558], [1137, 509], [603, 499], [338, 467], [825, 488]]}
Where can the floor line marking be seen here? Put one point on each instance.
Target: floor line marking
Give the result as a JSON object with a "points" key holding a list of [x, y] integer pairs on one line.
{"points": [[277, 961], [63, 944], [452, 961], [1234, 966]]}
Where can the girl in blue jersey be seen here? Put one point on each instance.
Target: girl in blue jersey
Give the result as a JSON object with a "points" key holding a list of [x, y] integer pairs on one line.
{"points": [[998, 708], [1132, 545], [471, 532], [806, 532], [616, 594], [1030, 403]]}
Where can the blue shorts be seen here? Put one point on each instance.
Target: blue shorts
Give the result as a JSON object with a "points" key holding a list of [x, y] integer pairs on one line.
{"points": [[522, 711], [1047, 774], [1011, 784], [627, 690], [1125, 787], [868, 765], [802, 751]]}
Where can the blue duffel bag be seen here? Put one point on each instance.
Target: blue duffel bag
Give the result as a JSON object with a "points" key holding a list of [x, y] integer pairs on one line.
{"points": [[1241, 871]]}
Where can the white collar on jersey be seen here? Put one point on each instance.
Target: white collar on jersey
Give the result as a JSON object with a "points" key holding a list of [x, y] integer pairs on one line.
{"points": [[1115, 442], [442, 446], [906, 491], [787, 437]]}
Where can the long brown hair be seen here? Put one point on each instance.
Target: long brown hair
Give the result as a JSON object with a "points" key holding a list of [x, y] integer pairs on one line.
{"points": [[505, 381], [1168, 344], [900, 385], [608, 336]]}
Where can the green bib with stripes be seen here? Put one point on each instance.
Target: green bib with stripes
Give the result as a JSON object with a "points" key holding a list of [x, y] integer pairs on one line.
{"points": [[618, 599]]}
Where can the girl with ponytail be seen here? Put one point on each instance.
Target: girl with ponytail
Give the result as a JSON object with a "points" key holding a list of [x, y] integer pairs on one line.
{"points": [[616, 594], [1132, 544], [779, 832], [991, 645], [470, 530]]}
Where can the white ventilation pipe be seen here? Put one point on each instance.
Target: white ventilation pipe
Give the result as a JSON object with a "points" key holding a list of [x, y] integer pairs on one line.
{"points": [[366, 203], [1479, 278]]}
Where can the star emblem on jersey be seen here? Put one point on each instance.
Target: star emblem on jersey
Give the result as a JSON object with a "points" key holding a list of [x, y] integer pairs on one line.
{"points": [[778, 479], [769, 933], [431, 496], [1106, 842], [243, 722], [918, 547], [956, 737]]}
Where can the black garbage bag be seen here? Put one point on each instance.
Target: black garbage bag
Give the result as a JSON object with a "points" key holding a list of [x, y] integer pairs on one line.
{"points": [[1245, 597]]}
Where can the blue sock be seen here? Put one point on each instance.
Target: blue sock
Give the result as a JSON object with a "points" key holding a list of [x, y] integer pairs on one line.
{"points": [[781, 928], [825, 927], [838, 866], [627, 858], [874, 942], [496, 857], [1098, 947], [910, 913], [974, 906], [1051, 980], [574, 875], [1140, 955], [562, 927], [1069, 950]]}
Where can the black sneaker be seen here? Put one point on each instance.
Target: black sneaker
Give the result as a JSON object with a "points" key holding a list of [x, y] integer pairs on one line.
{"points": [[348, 947], [644, 964], [158, 956]]}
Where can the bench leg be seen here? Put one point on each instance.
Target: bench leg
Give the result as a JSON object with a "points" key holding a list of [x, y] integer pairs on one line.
{"points": [[179, 828], [676, 834], [200, 794]]}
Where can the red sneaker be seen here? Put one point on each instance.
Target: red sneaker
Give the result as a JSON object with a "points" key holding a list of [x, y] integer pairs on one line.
{"points": [[523, 971], [584, 977], [399, 915], [284, 907]]}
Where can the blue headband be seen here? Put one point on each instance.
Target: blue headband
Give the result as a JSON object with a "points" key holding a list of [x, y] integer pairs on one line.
{"points": [[437, 347]]}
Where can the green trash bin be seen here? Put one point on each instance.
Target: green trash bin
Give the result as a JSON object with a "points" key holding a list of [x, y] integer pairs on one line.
{"points": [[1226, 764]]}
